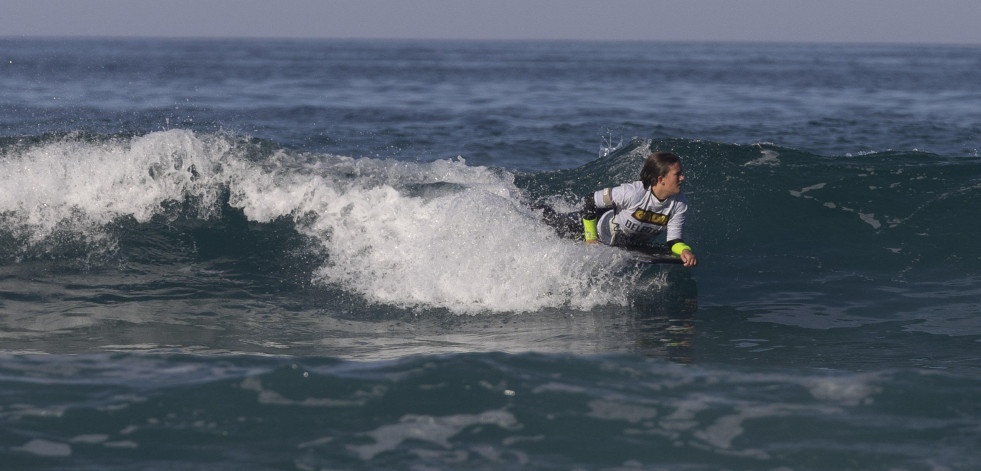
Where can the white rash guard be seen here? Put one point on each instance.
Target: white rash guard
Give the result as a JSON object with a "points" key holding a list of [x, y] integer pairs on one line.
{"points": [[638, 216]]}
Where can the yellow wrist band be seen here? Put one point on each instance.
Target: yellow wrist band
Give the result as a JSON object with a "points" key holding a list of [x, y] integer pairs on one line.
{"points": [[589, 226], [679, 247]]}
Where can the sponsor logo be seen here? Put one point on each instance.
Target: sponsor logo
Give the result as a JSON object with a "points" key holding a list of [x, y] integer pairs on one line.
{"points": [[650, 217]]}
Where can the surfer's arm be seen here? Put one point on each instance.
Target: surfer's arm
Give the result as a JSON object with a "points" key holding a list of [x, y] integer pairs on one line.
{"points": [[589, 217], [681, 249], [595, 204], [675, 242]]}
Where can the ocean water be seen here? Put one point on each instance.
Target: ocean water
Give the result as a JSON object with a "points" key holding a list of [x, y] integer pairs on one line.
{"points": [[323, 255]]}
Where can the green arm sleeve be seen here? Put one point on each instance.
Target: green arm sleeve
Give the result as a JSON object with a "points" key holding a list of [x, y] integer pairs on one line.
{"points": [[589, 228]]}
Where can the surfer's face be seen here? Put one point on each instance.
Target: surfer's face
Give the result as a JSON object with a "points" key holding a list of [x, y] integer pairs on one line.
{"points": [[670, 184]]}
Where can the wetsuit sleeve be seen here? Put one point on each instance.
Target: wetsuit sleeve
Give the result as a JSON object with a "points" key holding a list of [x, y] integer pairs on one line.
{"points": [[675, 225], [677, 246]]}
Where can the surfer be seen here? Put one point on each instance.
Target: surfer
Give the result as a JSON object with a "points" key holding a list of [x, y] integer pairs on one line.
{"points": [[633, 214]]}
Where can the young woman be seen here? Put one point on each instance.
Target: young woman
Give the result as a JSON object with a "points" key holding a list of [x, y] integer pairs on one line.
{"points": [[633, 214]]}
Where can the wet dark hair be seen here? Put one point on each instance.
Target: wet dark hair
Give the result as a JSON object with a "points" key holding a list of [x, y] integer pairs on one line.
{"points": [[658, 164]]}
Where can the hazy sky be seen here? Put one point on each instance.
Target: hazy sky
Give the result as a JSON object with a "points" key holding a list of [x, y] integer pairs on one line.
{"points": [[909, 21]]}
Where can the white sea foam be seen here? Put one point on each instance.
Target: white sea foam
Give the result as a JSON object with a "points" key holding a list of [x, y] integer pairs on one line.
{"points": [[43, 447], [438, 234], [471, 247], [82, 186], [437, 430], [769, 158]]}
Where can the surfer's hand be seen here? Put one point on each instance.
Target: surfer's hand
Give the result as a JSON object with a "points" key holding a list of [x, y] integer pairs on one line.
{"points": [[592, 241], [688, 259]]}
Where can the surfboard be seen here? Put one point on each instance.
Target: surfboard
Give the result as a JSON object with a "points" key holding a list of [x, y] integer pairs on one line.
{"points": [[651, 255]]}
